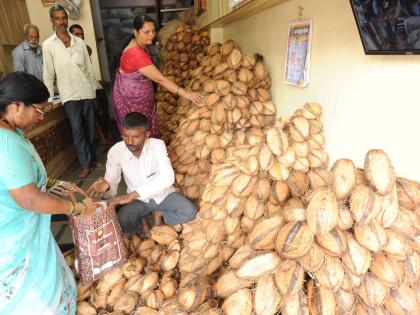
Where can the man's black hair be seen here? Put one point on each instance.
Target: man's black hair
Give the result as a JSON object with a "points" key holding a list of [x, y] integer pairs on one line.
{"points": [[135, 120]]}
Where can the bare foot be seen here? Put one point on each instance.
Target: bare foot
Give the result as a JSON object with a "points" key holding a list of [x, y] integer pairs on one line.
{"points": [[85, 172]]}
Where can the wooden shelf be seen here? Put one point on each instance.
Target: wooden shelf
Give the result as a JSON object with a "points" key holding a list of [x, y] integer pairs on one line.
{"points": [[241, 11]]}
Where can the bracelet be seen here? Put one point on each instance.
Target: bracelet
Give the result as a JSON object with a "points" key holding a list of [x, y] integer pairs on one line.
{"points": [[72, 208], [177, 90], [83, 212], [51, 182]]}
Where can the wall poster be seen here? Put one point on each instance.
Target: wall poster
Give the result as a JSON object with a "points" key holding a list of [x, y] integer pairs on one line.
{"points": [[298, 53]]}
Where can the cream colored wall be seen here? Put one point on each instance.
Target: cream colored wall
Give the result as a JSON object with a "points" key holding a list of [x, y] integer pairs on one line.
{"points": [[39, 16], [368, 101]]}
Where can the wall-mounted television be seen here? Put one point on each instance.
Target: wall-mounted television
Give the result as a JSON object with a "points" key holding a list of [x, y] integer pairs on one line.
{"points": [[388, 27]]}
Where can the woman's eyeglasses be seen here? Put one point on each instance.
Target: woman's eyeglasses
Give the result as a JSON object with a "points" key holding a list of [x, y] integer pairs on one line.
{"points": [[42, 111]]}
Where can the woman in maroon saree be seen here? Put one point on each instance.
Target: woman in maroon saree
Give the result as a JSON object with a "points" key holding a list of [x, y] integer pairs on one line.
{"points": [[133, 87]]}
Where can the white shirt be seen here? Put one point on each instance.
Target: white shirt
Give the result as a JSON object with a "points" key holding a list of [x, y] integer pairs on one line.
{"points": [[151, 174], [72, 67]]}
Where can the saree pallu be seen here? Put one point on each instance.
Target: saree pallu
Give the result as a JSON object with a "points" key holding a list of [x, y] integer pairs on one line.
{"points": [[133, 92]]}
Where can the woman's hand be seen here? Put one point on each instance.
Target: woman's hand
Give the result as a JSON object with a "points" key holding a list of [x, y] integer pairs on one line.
{"points": [[194, 97]]}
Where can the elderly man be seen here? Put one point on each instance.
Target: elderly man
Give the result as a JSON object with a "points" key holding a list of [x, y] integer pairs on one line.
{"points": [[148, 173], [27, 56], [66, 58]]}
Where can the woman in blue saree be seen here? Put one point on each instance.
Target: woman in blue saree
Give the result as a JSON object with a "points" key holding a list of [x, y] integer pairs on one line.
{"points": [[34, 278]]}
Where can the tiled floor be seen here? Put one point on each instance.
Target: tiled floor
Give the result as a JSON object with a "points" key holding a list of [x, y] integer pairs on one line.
{"points": [[59, 224]]}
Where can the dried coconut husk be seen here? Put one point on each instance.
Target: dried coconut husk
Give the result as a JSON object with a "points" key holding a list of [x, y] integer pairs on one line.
{"points": [[193, 293], [279, 172], [372, 291], [170, 260], [163, 234], [357, 258], [154, 299], [345, 218], [234, 59], [343, 177], [264, 233], [157, 253], [408, 193], [127, 302], [84, 291], [312, 111], [405, 224], [267, 299], [389, 209], [294, 240], [210, 307], [116, 292], [168, 287], [240, 255], [277, 140], [362, 309], [351, 281], [148, 282], [213, 49], [240, 184], [231, 224], [257, 265], [397, 246], [132, 284], [134, 243], [227, 47], [331, 274], [260, 71], [210, 250], [225, 176], [228, 283], [98, 300], [322, 212], [247, 224], [334, 242], [213, 265], [296, 304], [294, 210], [345, 302], [172, 307], [301, 148], [289, 277], [279, 192], [215, 232], [107, 282], [314, 258], [84, 308], [318, 178], [144, 310], [372, 236], [234, 206], [388, 270], [133, 266], [379, 171], [402, 300], [263, 189], [412, 269], [239, 302], [365, 205], [298, 183], [320, 300]]}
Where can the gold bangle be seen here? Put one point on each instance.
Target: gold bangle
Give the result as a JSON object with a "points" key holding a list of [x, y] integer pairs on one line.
{"points": [[83, 212], [72, 208]]}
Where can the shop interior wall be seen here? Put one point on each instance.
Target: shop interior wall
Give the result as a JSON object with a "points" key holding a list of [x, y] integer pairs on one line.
{"points": [[369, 101], [39, 16]]}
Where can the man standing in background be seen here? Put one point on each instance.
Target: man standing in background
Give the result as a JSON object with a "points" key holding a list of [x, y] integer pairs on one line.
{"points": [[27, 56], [77, 31], [66, 56]]}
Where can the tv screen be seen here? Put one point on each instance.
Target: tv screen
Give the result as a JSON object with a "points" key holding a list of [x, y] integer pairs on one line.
{"points": [[388, 26]]}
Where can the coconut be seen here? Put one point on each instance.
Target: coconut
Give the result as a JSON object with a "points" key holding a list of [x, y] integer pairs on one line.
{"points": [[408, 193], [157, 253], [227, 47], [127, 302], [351, 281], [84, 308], [343, 177], [371, 236], [389, 209], [318, 178], [279, 172], [372, 291], [405, 223], [264, 233], [357, 258], [109, 279], [144, 310], [412, 268], [331, 274], [296, 304], [345, 302], [213, 265], [240, 184], [345, 218], [314, 258], [277, 140], [294, 210], [172, 307], [239, 302], [168, 288], [322, 212], [116, 292], [257, 265], [279, 192], [267, 299], [193, 293], [263, 189], [379, 171], [289, 277], [210, 307], [334, 242], [229, 283], [388, 270], [170, 260], [294, 240], [364, 204], [133, 266], [397, 246], [320, 300], [234, 59], [298, 183], [83, 291], [402, 300], [163, 234], [240, 255], [148, 282], [154, 299]]}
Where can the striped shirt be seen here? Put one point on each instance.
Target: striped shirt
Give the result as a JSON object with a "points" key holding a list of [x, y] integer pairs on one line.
{"points": [[26, 60]]}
